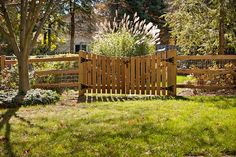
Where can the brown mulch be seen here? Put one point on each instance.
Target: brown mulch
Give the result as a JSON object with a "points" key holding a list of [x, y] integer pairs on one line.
{"points": [[201, 92]]}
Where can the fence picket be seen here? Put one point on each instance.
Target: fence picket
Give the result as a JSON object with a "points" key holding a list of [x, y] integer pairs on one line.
{"points": [[89, 66], [143, 67], [108, 75], [153, 74], [123, 75], [94, 60], [113, 75], [164, 69], [103, 76], [118, 87], [99, 67], [138, 69], [158, 74], [147, 84], [132, 74]]}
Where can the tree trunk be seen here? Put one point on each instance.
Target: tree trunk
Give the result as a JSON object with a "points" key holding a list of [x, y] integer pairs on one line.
{"points": [[45, 38], [221, 29], [72, 29], [23, 69], [49, 36]]}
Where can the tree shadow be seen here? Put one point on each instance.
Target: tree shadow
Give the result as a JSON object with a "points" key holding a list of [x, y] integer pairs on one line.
{"points": [[5, 121], [121, 98]]}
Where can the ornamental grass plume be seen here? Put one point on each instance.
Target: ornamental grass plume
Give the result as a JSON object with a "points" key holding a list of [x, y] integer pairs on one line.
{"points": [[125, 37]]}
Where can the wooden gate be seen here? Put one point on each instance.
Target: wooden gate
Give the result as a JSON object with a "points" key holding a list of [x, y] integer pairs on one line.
{"points": [[147, 75]]}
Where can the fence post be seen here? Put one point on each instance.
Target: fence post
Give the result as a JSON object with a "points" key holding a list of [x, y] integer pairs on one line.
{"points": [[81, 76], [171, 73], [3, 62]]}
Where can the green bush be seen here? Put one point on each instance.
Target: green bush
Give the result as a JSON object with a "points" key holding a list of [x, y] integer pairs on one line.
{"points": [[9, 77], [125, 38], [33, 97], [121, 44]]}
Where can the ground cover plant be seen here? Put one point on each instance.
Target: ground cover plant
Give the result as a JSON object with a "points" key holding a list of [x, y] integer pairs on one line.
{"points": [[32, 97], [188, 126]]}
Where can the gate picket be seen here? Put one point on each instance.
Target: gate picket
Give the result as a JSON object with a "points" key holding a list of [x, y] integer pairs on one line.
{"points": [[103, 76], [148, 58], [113, 75], [118, 86], [108, 75], [132, 74], [143, 66], [89, 66], [94, 59], [158, 74], [138, 75], [123, 67], [163, 73], [99, 74], [153, 74]]}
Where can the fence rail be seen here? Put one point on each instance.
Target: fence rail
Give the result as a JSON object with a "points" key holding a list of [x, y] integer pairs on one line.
{"points": [[207, 57]]}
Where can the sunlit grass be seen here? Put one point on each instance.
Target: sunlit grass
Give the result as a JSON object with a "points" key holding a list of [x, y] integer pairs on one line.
{"points": [[172, 127]]}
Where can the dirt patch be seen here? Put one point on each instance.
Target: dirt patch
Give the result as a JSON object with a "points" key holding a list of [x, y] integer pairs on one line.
{"points": [[201, 92]]}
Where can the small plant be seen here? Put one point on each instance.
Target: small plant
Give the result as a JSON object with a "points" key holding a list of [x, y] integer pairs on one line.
{"points": [[128, 37]]}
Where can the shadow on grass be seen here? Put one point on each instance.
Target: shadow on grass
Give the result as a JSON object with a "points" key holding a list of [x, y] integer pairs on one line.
{"points": [[222, 102], [5, 121], [119, 98], [5, 118]]}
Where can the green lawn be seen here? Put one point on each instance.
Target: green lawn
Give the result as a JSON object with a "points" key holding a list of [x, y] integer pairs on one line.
{"points": [[178, 127], [181, 79]]}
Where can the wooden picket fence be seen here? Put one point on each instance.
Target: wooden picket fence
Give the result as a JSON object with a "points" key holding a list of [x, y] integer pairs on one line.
{"points": [[151, 74], [208, 58], [146, 75]]}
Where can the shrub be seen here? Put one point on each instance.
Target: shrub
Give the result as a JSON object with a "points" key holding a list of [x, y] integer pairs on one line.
{"points": [[33, 97], [9, 76], [125, 38], [217, 78]]}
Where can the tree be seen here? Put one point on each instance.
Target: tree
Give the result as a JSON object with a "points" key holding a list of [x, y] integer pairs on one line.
{"points": [[77, 7], [202, 26], [72, 26], [32, 17]]}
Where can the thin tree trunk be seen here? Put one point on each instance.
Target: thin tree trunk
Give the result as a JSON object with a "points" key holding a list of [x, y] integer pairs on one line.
{"points": [[24, 85], [72, 29], [221, 29], [49, 36], [45, 38]]}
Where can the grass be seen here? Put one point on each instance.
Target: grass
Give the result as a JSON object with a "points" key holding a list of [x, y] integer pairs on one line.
{"points": [[181, 79], [172, 127]]}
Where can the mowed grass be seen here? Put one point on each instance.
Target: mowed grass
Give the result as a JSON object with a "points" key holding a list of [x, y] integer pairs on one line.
{"points": [[182, 79], [192, 126]]}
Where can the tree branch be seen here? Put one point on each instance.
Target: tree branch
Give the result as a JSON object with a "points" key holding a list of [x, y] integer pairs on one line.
{"points": [[10, 28], [23, 12], [5, 34], [48, 11]]}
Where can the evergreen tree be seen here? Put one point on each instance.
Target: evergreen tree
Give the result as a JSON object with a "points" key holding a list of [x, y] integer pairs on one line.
{"points": [[202, 27]]}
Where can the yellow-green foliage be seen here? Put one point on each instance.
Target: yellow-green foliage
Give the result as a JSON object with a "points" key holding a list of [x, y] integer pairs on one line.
{"points": [[121, 44], [126, 37]]}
